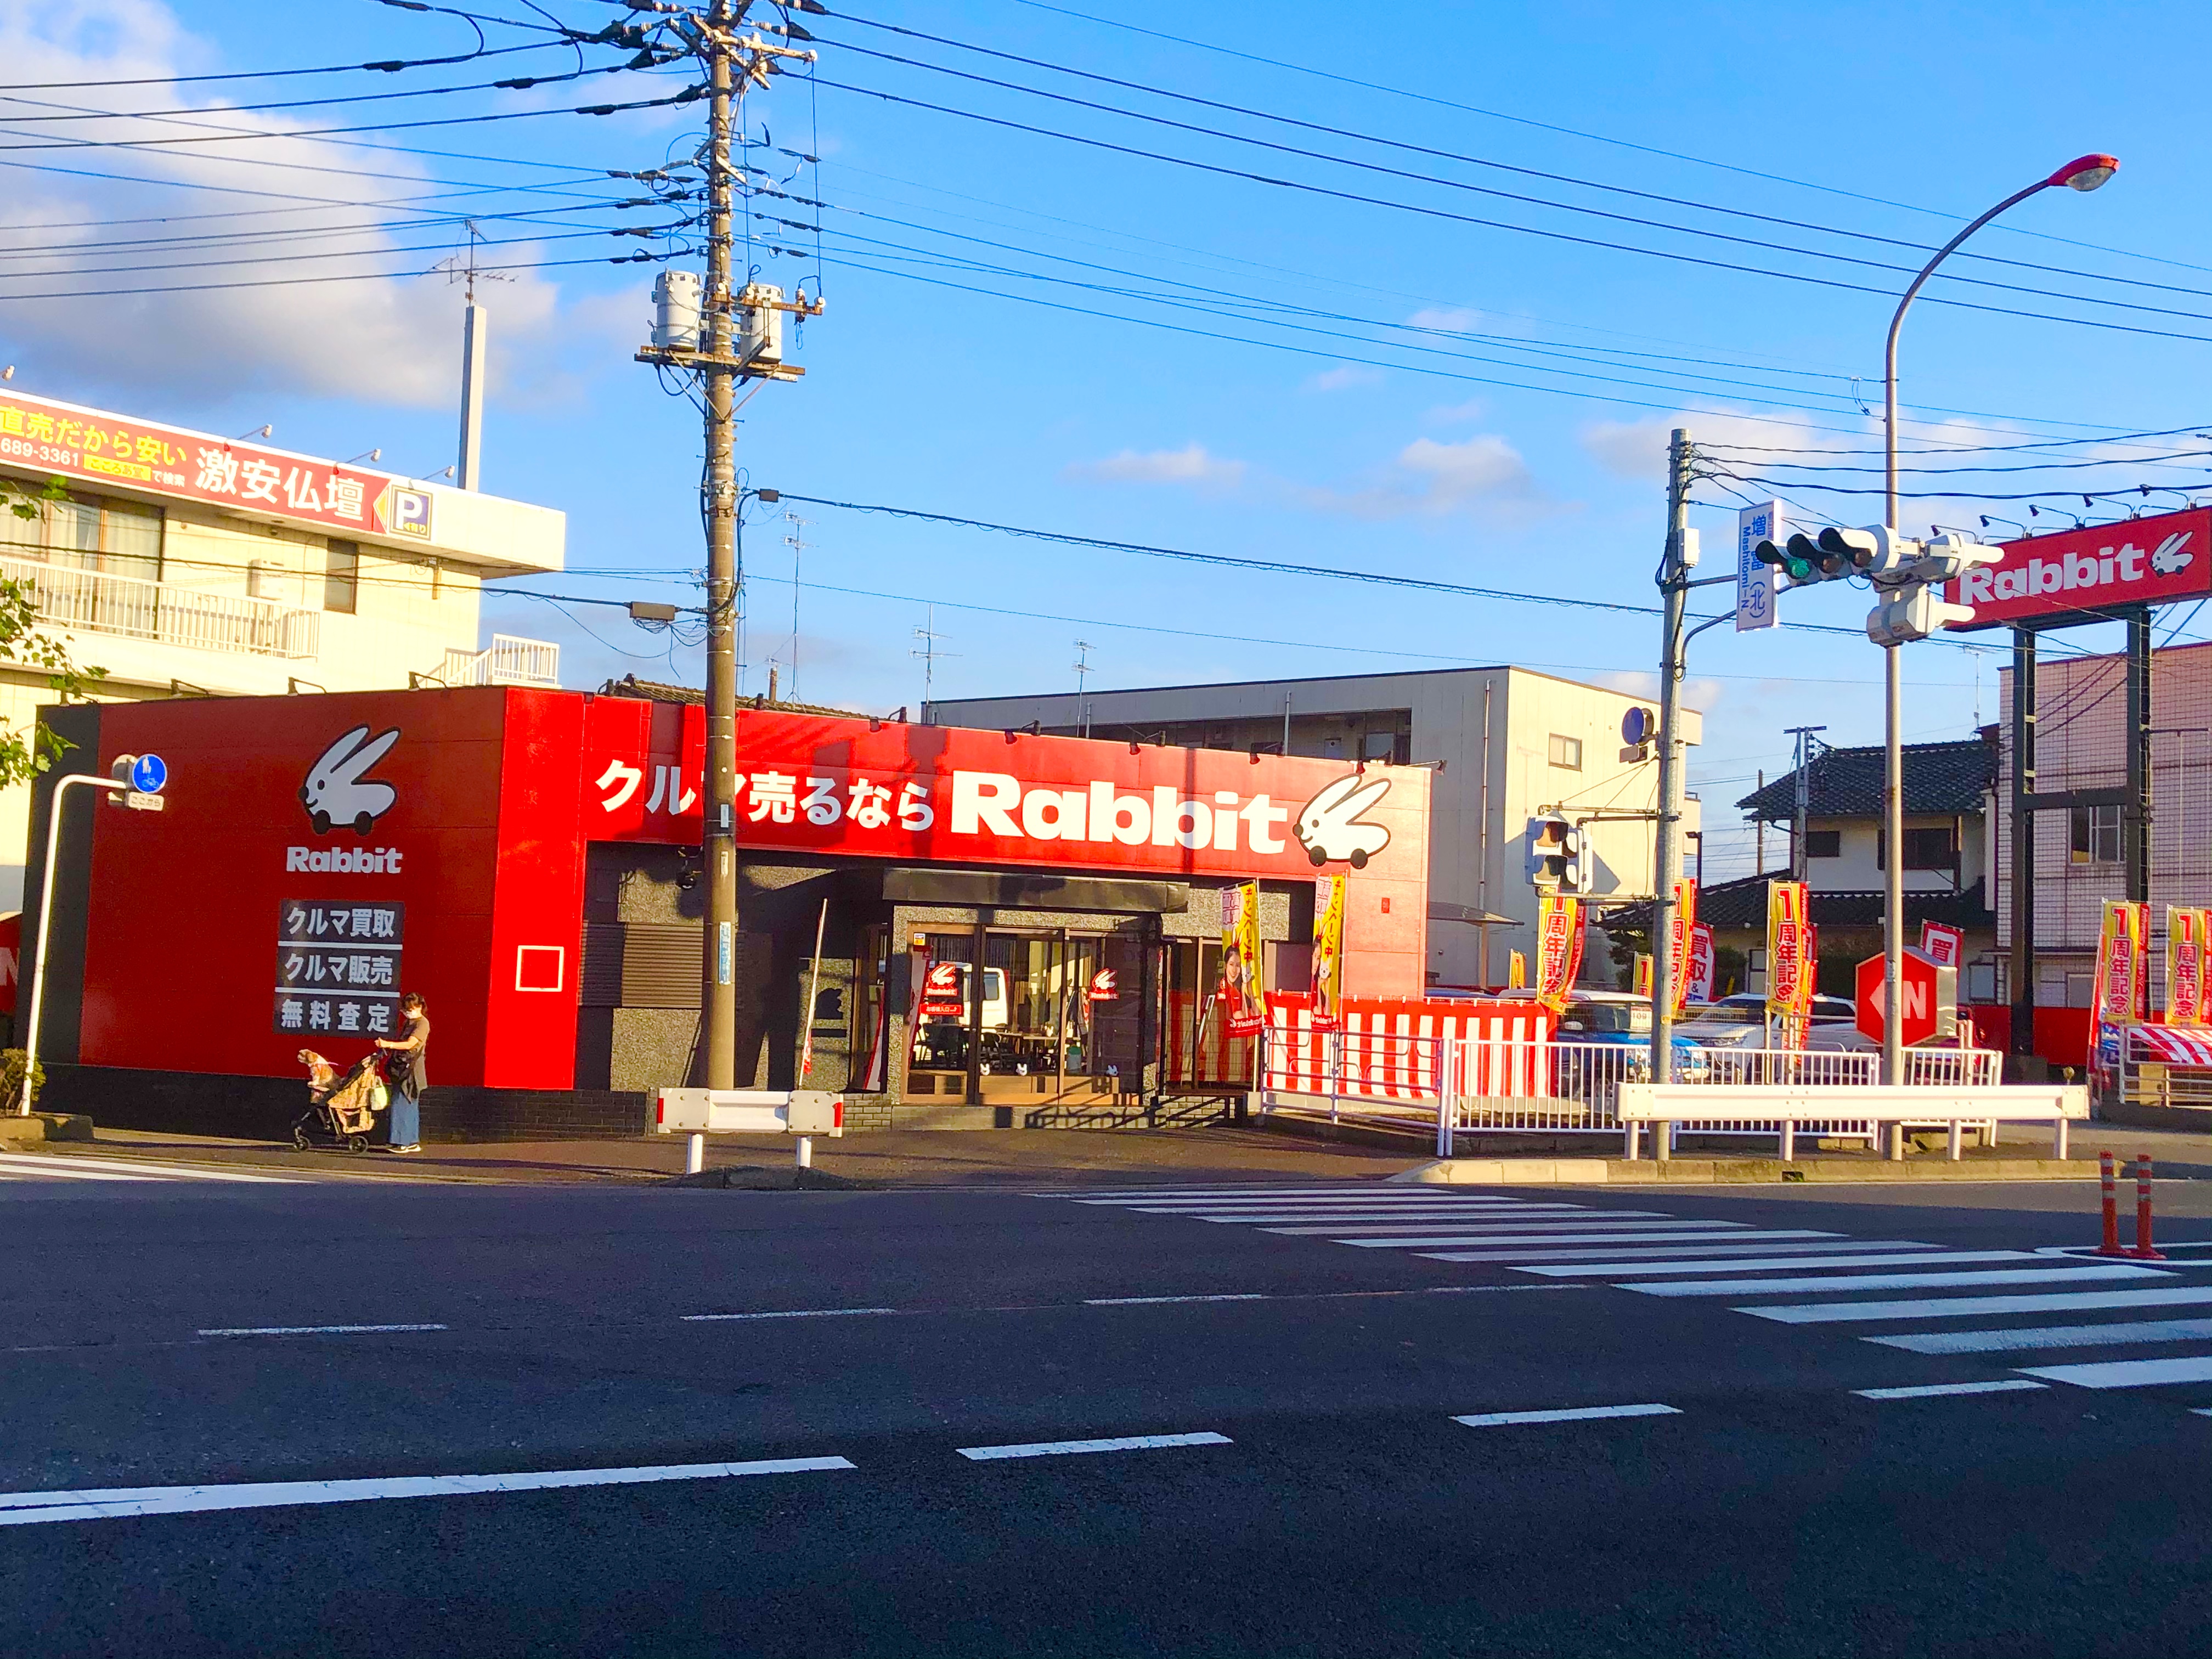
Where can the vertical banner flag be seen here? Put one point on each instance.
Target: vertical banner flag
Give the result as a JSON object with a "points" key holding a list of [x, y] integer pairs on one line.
{"points": [[1755, 590], [2185, 966], [1642, 984], [1944, 945], [1517, 971], [1701, 963], [1559, 948], [1327, 951], [1788, 960], [1241, 1006], [1678, 944], [2115, 986]]}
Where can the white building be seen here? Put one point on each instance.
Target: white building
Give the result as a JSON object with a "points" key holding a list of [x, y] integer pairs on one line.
{"points": [[185, 563], [1507, 745]]}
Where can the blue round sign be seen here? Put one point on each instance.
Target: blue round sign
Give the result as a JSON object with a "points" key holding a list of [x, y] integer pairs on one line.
{"points": [[148, 775]]}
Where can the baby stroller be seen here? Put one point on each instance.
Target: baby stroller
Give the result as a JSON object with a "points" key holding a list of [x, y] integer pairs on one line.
{"points": [[342, 1109]]}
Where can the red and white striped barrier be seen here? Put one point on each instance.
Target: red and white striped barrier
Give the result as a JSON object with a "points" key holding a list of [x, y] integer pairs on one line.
{"points": [[1396, 1050]]}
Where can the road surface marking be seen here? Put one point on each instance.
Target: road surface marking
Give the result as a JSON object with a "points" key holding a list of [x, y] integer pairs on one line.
{"points": [[1151, 1300], [792, 1312], [1342, 1189], [7, 1167], [1821, 1313], [1616, 1244], [113, 1169], [1399, 1223], [2129, 1373], [25, 1509], [1602, 1268], [1930, 1390], [317, 1330], [1571, 1415], [1559, 1232], [2049, 1336], [1455, 1213], [1072, 1448], [1890, 1281], [1726, 1245]]}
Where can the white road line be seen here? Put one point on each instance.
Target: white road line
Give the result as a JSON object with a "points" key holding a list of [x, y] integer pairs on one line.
{"points": [[2129, 1373], [1824, 1313], [7, 1169], [317, 1330], [26, 1508], [793, 1313], [1890, 1281], [2049, 1336], [1619, 1243], [1072, 1448], [1354, 1219], [1573, 1414], [1603, 1269], [1182, 1200], [82, 1162], [1154, 1301], [1341, 1190], [2200, 1411], [1400, 1224], [1729, 1246], [1287, 1213], [1930, 1390]]}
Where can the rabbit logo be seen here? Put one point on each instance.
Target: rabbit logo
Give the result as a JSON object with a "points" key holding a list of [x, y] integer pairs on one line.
{"points": [[336, 793], [1329, 826]]}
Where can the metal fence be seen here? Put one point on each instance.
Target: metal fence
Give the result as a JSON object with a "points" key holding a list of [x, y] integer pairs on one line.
{"points": [[1478, 1085], [99, 603]]}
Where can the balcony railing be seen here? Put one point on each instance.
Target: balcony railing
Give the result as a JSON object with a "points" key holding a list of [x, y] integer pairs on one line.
{"points": [[98, 603], [509, 660]]}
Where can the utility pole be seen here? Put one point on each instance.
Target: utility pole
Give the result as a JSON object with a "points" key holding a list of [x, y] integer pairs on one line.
{"points": [[734, 64], [929, 653], [1801, 810], [1674, 567], [796, 541], [475, 342], [1082, 650]]}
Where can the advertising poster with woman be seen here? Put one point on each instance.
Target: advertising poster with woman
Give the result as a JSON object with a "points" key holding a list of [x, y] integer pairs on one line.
{"points": [[1241, 1007], [1327, 951]]}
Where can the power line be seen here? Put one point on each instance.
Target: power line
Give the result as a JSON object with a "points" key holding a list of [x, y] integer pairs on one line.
{"points": [[640, 258], [387, 66], [1498, 224], [518, 83]]}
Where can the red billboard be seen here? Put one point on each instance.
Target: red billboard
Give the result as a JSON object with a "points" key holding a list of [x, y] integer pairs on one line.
{"points": [[2099, 568], [321, 855], [41, 437]]}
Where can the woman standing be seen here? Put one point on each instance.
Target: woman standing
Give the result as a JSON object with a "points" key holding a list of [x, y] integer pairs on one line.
{"points": [[410, 1076]]}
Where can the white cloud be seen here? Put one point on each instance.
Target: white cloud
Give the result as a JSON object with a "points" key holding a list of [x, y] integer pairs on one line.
{"points": [[1191, 465], [1448, 319], [1637, 449], [1473, 410], [1456, 473], [382, 339], [1344, 376]]}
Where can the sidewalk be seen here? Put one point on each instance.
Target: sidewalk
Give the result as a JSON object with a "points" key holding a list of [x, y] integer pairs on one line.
{"points": [[1016, 1159]]}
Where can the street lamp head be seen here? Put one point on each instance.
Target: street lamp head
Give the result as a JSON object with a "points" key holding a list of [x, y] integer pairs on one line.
{"points": [[2085, 172]]}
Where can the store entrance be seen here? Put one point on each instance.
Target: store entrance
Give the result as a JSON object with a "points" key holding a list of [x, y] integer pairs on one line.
{"points": [[1042, 1017]]}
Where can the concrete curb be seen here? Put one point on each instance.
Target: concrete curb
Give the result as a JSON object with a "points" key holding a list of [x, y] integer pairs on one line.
{"points": [[1732, 1171], [45, 1125]]}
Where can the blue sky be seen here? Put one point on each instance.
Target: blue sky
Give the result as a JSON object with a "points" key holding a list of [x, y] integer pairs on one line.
{"points": [[1337, 452]]}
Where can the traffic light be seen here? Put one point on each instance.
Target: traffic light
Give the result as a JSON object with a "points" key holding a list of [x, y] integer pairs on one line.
{"points": [[1560, 854], [1910, 607], [1836, 554]]}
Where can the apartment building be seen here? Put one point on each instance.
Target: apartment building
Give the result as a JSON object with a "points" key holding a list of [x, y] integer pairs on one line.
{"points": [[185, 564], [1505, 744]]}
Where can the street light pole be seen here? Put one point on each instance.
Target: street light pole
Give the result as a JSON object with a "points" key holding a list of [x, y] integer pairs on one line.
{"points": [[2085, 172]]}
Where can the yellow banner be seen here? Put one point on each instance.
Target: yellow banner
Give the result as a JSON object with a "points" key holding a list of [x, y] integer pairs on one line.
{"points": [[1788, 951], [1241, 995], [2184, 965], [1517, 971], [1327, 951], [1643, 981], [2117, 995], [1559, 948], [1678, 944]]}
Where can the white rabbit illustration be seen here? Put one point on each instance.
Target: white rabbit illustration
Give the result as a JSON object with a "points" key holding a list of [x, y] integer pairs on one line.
{"points": [[335, 792], [1329, 826]]}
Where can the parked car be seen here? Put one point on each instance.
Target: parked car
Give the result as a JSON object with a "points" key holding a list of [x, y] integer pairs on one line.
{"points": [[1740, 1022]]}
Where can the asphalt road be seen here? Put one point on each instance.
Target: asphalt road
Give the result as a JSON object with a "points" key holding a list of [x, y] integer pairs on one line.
{"points": [[1302, 1484]]}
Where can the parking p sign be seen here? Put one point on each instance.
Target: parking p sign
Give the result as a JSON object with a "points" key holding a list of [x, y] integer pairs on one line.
{"points": [[1755, 590]]}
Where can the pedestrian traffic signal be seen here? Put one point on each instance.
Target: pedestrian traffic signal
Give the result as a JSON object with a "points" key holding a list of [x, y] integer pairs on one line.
{"points": [[1559, 853], [1912, 607]]}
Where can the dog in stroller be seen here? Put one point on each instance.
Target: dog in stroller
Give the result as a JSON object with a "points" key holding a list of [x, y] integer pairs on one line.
{"points": [[341, 1109]]}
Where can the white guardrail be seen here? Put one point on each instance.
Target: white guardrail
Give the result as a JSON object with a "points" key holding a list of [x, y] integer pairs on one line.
{"points": [[1465, 1086], [100, 603]]}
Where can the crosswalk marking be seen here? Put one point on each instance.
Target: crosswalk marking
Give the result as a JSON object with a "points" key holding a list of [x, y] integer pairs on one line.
{"points": [[1896, 1281], [1790, 1276], [1571, 1415], [1821, 1313], [2129, 1373], [2049, 1336], [1600, 1269], [94, 1166]]}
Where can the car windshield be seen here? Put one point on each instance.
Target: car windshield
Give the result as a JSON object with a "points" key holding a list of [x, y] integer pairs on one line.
{"points": [[1728, 1013], [1633, 1017]]}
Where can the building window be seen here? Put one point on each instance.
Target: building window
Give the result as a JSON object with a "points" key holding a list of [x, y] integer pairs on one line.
{"points": [[1567, 752], [2096, 835], [342, 577], [1378, 745], [118, 538], [1824, 843], [1935, 847]]}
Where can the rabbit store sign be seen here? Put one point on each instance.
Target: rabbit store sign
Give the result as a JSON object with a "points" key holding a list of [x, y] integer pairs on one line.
{"points": [[2153, 560]]}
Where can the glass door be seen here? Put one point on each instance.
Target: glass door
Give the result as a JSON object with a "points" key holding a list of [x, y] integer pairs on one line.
{"points": [[1023, 974]]}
